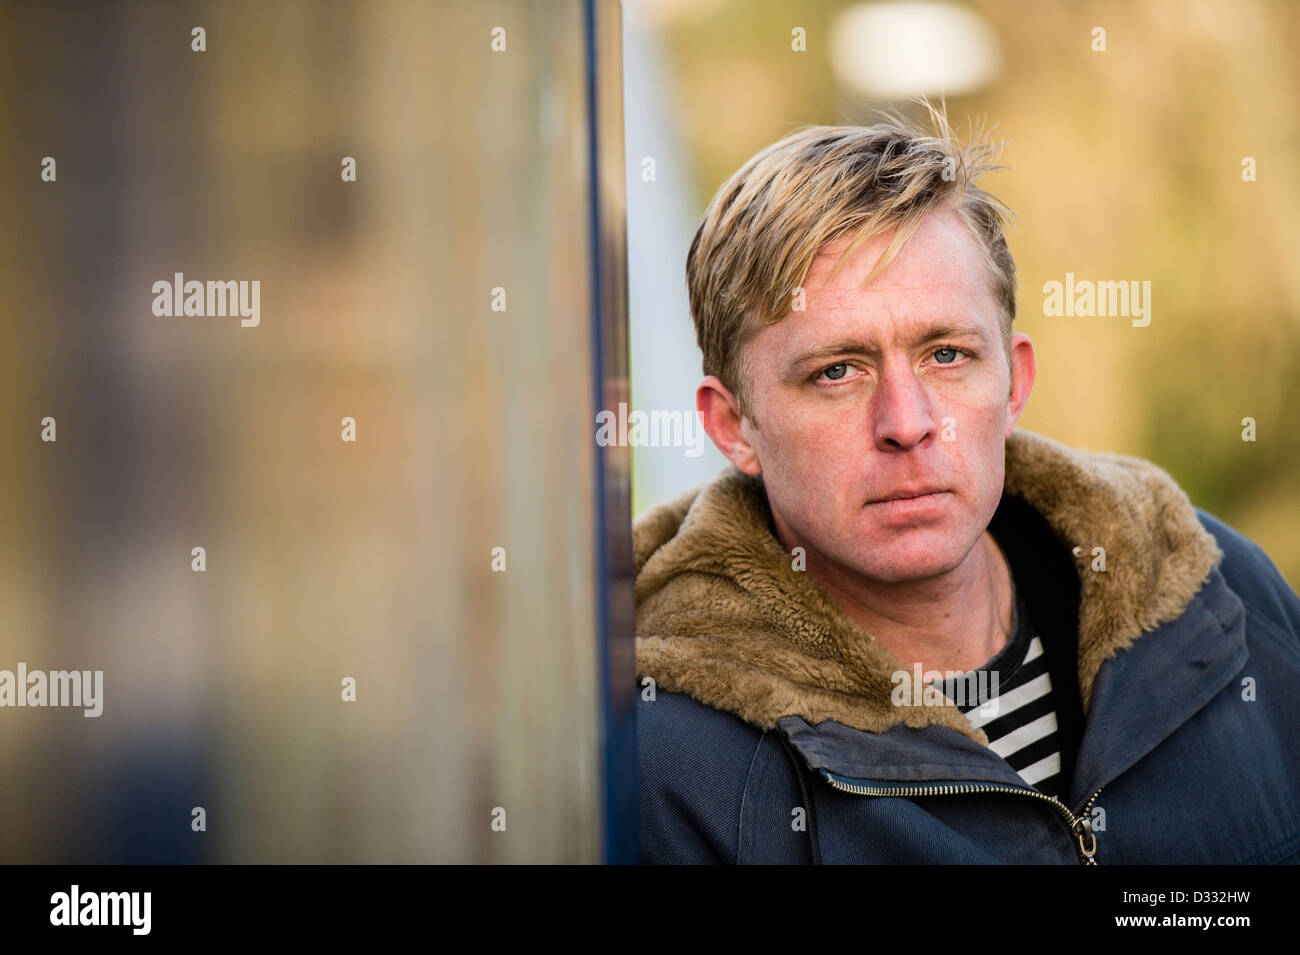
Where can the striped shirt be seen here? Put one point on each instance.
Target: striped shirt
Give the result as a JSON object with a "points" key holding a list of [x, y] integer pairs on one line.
{"points": [[1010, 698]]}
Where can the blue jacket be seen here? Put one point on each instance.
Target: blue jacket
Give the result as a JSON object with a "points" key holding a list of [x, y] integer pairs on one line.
{"points": [[767, 734]]}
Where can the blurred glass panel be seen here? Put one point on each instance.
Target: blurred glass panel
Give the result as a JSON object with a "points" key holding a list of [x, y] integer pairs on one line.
{"points": [[442, 302]]}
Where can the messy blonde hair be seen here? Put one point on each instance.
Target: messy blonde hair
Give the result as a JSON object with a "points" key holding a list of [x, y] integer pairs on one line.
{"points": [[766, 224]]}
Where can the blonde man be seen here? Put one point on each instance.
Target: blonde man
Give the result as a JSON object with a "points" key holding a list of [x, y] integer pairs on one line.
{"points": [[897, 629]]}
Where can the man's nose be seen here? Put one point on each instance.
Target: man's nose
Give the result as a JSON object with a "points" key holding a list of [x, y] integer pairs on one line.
{"points": [[901, 410]]}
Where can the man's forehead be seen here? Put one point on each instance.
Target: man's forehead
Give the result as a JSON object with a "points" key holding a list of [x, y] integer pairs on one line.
{"points": [[942, 249], [890, 305], [886, 293], [888, 323]]}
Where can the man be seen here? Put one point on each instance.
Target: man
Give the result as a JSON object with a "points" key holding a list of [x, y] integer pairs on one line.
{"points": [[896, 629]]}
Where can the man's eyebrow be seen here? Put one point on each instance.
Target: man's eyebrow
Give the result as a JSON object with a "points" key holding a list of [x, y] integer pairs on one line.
{"points": [[947, 328]]}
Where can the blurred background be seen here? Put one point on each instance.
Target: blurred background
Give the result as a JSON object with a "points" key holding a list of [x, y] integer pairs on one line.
{"points": [[1124, 164], [463, 301]]}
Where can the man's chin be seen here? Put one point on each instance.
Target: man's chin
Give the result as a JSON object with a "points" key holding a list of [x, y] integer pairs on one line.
{"points": [[913, 556], [909, 573]]}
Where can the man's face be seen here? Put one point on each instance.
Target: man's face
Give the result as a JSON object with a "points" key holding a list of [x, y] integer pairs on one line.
{"points": [[899, 390]]}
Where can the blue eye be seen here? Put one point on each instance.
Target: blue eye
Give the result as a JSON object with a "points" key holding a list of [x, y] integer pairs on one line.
{"points": [[829, 372], [946, 361]]}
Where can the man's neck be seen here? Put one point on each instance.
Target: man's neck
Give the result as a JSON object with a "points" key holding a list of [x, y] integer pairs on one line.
{"points": [[956, 621]]}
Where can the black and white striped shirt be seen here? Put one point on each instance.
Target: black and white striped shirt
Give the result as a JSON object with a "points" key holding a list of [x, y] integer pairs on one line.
{"points": [[1010, 698]]}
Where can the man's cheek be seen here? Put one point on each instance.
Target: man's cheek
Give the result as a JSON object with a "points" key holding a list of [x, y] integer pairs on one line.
{"points": [[970, 424]]}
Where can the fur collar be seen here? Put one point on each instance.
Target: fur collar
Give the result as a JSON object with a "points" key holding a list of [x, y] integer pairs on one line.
{"points": [[721, 615]]}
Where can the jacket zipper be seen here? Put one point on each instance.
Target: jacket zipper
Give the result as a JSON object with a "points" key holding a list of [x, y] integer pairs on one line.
{"points": [[1080, 827]]}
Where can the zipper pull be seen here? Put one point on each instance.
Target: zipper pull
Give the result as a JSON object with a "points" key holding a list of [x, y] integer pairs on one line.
{"points": [[1087, 839]]}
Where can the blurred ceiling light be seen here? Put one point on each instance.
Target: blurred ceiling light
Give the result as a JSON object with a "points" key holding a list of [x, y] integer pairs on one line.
{"points": [[893, 50]]}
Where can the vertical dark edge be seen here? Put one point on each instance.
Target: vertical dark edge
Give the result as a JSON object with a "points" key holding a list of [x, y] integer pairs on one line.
{"points": [[616, 691]]}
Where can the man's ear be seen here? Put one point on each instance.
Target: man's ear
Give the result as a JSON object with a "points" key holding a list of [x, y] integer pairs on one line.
{"points": [[720, 413], [1022, 379]]}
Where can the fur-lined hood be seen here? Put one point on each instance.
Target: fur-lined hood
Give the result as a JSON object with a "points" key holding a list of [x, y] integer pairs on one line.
{"points": [[723, 617]]}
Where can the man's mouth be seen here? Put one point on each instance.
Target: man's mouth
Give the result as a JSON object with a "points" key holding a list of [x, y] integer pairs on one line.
{"points": [[908, 494], [907, 506]]}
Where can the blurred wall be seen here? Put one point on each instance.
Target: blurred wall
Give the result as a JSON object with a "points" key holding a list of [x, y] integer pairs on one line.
{"points": [[445, 301]]}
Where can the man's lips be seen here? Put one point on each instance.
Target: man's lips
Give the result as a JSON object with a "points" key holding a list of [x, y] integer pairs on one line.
{"points": [[907, 494]]}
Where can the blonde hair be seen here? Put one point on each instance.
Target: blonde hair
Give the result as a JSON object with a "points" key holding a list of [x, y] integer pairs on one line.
{"points": [[766, 223]]}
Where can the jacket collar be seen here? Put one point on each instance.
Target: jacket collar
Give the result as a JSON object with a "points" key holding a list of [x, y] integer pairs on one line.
{"points": [[723, 617]]}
